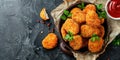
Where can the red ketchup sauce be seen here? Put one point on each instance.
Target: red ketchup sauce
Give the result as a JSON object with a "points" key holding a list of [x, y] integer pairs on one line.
{"points": [[114, 8]]}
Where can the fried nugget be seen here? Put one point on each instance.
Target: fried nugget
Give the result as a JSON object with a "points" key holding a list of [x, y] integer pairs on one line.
{"points": [[89, 7], [76, 43], [102, 20], [75, 10], [71, 26], [87, 31], [102, 31], [92, 18], [43, 14], [79, 17], [50, 41], [95, 46], [63, 32]]}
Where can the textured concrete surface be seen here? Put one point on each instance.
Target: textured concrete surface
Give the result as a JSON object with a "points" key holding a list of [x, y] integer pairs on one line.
{"points": [[21, 35]]}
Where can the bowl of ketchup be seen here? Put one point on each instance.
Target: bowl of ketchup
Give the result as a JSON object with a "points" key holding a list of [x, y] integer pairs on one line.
{"points": [[112, 8]]}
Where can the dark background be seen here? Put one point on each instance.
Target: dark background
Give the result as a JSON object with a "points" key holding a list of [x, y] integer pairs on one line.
{"points": [[21, 34]]}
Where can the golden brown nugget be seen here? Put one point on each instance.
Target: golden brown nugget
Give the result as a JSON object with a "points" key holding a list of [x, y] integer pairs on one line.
{"points": [[92, 18], [76, 43], [75, 10], [79, 17], [71, 26], [43, 14], [89, 7], [102, 20], [63, 32], [102, 31], [95, 46], [87, 31], [50, 41]]}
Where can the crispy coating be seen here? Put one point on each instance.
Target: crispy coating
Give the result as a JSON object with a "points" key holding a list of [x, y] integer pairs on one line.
{"points": [[43, 14], [50, 41], [95, 46], [76, 43], [102, 20], [92, 18], [79, 17], [63, 32], [87, 31], [102, 31], [86, 22], [89, 7], [75, 10], [71, 26]]}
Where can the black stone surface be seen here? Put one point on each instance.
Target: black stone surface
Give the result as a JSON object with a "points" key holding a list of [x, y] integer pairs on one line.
{"points": [[21, 34]]}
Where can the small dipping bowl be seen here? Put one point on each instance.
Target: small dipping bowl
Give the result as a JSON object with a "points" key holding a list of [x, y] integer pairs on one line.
{"points": [[107, 9]]}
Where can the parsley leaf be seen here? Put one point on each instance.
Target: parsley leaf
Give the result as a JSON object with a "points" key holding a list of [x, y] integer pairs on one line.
{"points": [[69, 15], [63, 17], [116, 41], [100, 12], [81, 6], [66, 12], [99, 6], [69, 36], [94, 38]]}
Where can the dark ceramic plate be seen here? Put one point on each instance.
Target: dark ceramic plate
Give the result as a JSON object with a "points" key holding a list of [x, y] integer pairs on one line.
{"points": [[64, 45]]}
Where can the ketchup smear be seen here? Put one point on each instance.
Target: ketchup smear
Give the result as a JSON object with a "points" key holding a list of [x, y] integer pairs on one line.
{"points": [[114, 8]]}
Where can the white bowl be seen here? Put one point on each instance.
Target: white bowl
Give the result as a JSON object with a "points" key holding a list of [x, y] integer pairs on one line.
{"points": [[113, 18]]}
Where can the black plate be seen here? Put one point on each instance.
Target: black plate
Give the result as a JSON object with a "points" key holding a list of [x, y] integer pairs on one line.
{"points": [[65, 44]]}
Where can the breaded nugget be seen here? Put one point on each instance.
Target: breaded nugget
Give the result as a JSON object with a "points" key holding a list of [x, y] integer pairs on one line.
{"points": [[71, 26], [87, 31], [92, 18], [95, 46], [102, 31], [50, 41], [75, 10], [79, 17], [76, 43], [102, 20], [63, 32], [89, 7], [43, 14]]}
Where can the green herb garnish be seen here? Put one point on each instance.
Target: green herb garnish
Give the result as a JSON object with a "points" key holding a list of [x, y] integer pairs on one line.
{"points": [[70, 14], [69, 36], [99, 6], [81, 6], [100, 12], [116, 41], [66, 14], [63, 17], [94, 38]]}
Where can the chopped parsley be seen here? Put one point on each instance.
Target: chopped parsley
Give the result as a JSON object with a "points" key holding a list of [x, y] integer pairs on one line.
{"points": [[94, 37], [66, 14], [69, 36], [101, 13], [99, 6], [116, 41], [63, 17], [81, 6]]}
